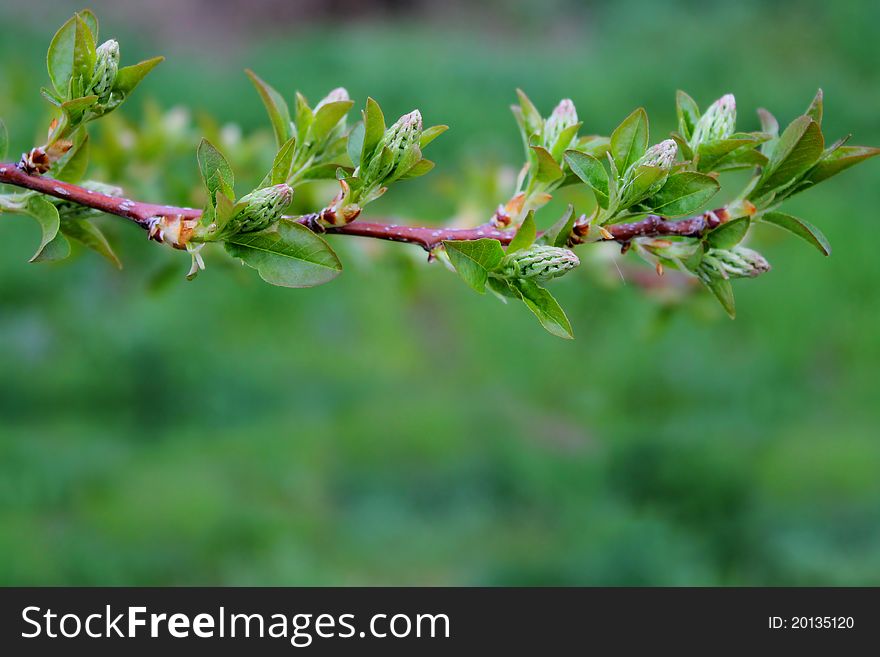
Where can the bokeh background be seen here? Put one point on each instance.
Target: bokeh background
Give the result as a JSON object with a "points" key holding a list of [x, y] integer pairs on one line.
{"points": [[393, 427]]}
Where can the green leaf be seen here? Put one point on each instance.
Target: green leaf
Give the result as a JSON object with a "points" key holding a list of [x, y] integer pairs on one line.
{"points": [[525, 235], [4, 140], [688, 113], [814, 111], [711, 152], [643, 181], [328, 171], [59, 59], [89, 235], [548, 170], [276, 107], [474, 259], [559, 232], [83, 50], [303, 119], [798, 149], [290, 256], [75, 108], [744, 158], [328, 116], [374, 130], [91, 21], [214, 168], [53, 246], [545, 307], [592, 172], [420, 168], [356, 143], [282, 162], [723, 291], [770, 125], [806, 231], [130, 77], [839, 160], [533, 122], [683, 193], [629, 141], [72, 167], [430, 134], [728, 235]]}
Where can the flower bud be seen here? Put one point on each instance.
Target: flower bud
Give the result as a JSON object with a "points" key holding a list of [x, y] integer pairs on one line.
{"points": [[563, 117], [539, 262], [660, 155], [737, 262], [262, 208], [402, 140], [106, 67], [719, 121]]}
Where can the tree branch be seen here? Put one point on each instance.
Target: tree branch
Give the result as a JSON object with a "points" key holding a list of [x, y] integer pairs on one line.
{"points": [[146, 215]]}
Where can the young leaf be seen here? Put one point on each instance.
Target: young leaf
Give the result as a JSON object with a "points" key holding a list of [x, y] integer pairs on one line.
{"points": [[838, 160], [89, 235], [374, 129], [531, 117], [59, 59], [356, 143], [430, 134], [83, 50], [683, 193], [91, 21], [590, 170], [214, 168], [548, 170], [712, 152], [723, 291], [545, 307], [282, 162], [53, 246], [420, 168], [304, 117], [643, 181], [688, 114], [328, 116], [474, 259], [525, 236], [814, 111], [130, 77], [4, 140], [290, 256], [770, 125], [558, 233], [806, 231], [629, 141], [276, 107], [798, 149], [728, 235]]}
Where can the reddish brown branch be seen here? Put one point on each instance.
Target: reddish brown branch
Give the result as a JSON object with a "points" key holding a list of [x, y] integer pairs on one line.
{"points": [[146, 214]]}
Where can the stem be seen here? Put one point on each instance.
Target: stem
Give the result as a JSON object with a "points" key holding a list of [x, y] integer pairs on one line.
{"points": [[146, 214]]}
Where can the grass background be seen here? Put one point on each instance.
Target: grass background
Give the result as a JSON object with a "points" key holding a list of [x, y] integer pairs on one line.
{"points": [[394, 427]]}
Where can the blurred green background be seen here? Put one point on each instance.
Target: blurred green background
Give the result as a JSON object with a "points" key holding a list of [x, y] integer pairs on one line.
{"points": [[393, 427]]}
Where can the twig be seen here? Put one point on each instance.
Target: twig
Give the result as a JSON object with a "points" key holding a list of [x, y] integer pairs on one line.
{"points": [[147, 214]]}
